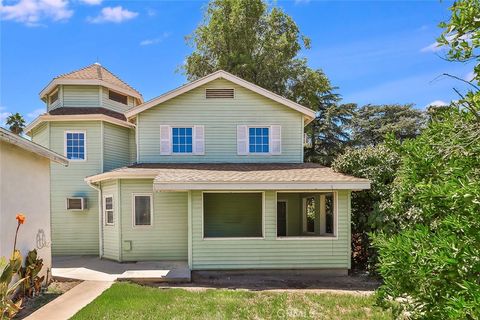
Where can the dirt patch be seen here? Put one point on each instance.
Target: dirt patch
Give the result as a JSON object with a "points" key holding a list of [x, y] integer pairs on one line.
{"points": [[54, 290], [351, 284]]}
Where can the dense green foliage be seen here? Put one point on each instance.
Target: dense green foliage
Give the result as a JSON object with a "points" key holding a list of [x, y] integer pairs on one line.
{"points": [[131, 301], [372, 123], [379, 164], [433, 260]]}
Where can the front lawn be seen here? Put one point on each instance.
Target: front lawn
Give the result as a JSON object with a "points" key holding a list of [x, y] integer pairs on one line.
{"points": [[131, 301]]}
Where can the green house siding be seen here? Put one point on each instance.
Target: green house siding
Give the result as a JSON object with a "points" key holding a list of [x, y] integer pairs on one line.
{"points": [[115, 146], [75, 232], [81, 96], [111, 233], [220, 118], [167, 238], [270, 252], [41, 135]]}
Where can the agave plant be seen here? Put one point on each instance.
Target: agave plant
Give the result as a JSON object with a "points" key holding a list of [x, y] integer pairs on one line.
{"points": [[8, 308]]}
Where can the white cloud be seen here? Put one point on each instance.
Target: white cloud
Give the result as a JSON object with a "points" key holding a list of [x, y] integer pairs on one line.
{"points": [[436, 103], [35, 113], [113, 14], [469, 76], [148, 42], [92, 2], [434, 47], [32, 12]]}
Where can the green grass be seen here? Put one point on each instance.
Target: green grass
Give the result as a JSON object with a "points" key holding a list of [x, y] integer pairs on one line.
{"points": [[131, 301]]}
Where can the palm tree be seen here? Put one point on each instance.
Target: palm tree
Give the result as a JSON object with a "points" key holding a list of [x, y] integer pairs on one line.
{"points": [[16, 123]]}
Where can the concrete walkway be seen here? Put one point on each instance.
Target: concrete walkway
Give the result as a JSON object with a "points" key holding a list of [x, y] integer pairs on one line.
{"points": [[91, 268], [72, 301]]}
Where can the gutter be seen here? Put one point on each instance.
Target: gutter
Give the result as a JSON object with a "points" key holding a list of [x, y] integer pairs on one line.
{"points": [[100, 216]]}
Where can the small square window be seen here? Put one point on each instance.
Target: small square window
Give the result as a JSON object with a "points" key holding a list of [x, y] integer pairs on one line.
{"points": [[258, 140], [182, 140]]}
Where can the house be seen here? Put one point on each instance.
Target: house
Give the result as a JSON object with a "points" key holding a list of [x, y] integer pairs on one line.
{"points": [[25, 174], [211, 173]]}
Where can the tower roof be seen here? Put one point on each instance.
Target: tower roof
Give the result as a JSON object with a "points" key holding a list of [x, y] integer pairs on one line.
{"points": [[93, 74]]}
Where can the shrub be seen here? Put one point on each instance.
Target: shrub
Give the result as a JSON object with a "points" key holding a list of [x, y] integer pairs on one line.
{"points": [[379, 164]]}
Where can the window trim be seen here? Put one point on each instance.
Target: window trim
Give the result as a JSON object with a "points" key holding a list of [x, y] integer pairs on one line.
{"points": [[57, 91], [269, 126], [82, 201], [315, 238], [105, 217], [140, 194], [117, 92], [193, 141], [233, 238], [84, 142]]}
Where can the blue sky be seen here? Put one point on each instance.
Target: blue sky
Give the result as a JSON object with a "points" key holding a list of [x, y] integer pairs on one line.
{"points": [[376, 52]]}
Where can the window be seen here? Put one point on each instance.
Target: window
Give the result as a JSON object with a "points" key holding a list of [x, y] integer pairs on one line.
{"points": [[258, 140], [142, 210], [182, 140], [76, 204], [75, 145], [54, 97], [108, 210], [118, 97], [232, 215], [311, 214]]}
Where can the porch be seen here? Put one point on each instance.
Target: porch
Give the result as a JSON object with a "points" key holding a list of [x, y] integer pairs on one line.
{"points": [[95, 269]]}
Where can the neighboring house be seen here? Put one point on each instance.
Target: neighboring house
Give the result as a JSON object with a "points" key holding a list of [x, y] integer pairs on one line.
{"points": [[25, 188], [211, 173]]}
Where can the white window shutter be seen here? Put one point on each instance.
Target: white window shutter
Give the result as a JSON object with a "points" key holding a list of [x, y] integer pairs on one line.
{"points": [[199, 136], [276, 139], [165, 140], [242, 140]]}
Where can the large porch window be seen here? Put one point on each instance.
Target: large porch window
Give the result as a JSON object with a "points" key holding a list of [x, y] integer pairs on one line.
{"points": [[306, 214], [232, 215]]}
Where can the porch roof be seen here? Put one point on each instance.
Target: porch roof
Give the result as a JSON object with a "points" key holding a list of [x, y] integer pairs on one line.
{"points": [[238, 176]]}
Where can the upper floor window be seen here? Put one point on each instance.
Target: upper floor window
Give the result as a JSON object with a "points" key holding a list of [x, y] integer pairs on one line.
{"points": [[258, 140], [118, 97], [178, 140], [75, 143], [182, 140], [54, 97]]}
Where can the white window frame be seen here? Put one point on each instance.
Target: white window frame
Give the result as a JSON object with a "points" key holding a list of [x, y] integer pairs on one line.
{"points": [[84, 142], [193, 141], [269, 140], [233, 238], [82, 200], [151, 210], [118, 92], [50, 96], [330, 236], [105, 216]]}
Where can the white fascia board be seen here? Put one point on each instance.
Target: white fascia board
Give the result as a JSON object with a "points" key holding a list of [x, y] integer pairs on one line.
{"points": [[76, 117], [95, 82], [307, 112], [262, 186]]}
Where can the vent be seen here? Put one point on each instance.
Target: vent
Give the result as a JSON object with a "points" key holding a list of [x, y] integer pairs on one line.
{"points": [[220, 93]]}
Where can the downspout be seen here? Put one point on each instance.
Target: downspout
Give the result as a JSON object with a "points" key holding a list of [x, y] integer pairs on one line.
{"points": [[100, 216]]}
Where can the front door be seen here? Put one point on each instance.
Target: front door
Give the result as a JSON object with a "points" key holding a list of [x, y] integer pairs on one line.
{"points": [[281, 219]]}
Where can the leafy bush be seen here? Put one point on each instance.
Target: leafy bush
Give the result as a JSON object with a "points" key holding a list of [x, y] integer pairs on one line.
{"points": [[431, 265], [379, 164], [8, 308]]}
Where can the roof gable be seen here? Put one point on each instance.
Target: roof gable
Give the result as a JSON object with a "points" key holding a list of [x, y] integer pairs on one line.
{"points": [[93, 74], [308, 113]]}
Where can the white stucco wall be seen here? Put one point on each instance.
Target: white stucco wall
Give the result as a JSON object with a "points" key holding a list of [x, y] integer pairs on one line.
{"points": [[24, 188]]}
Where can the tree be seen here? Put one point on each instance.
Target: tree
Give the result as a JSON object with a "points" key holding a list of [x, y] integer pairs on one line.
{"points": [[379, 164], [250, 40], [16, 123], [372, 123]]}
